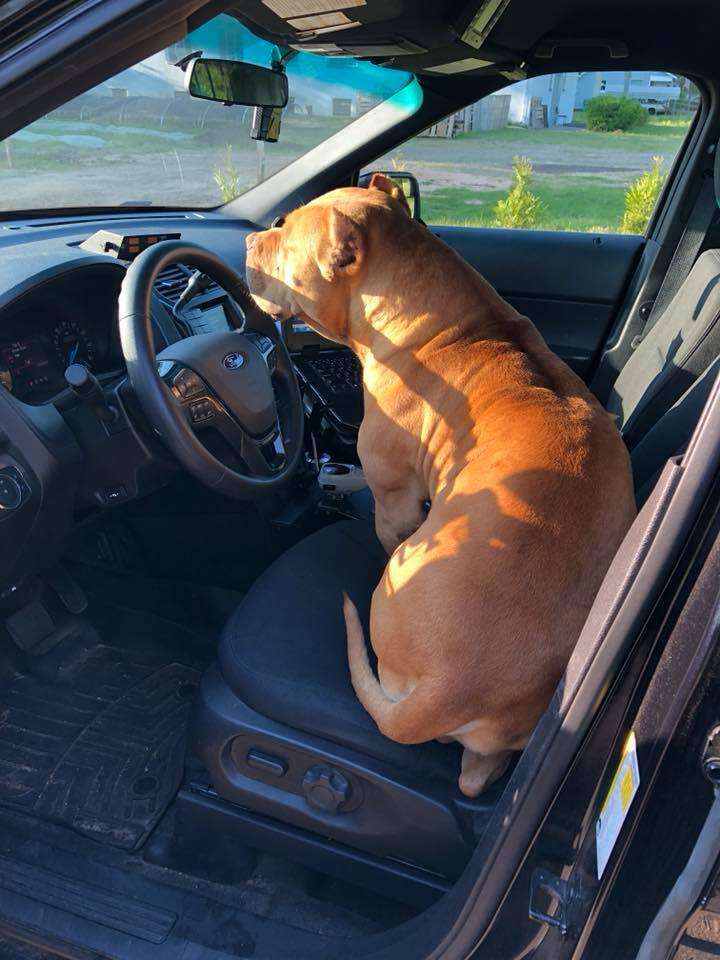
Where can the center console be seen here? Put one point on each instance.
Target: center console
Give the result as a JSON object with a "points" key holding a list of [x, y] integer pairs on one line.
{"points": [[331, 378]]}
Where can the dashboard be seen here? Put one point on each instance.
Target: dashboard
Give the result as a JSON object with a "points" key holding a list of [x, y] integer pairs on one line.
{"points": [[66, 312], [58, 300], [59, 305]]}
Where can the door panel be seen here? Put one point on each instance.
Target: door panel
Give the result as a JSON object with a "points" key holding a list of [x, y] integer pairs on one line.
{"points": [[568, 284]]}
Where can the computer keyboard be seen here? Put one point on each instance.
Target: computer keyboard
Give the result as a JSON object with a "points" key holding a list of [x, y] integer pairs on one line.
{"points": [[340, 372]]}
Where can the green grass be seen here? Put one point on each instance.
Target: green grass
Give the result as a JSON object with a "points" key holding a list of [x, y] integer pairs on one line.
{"points": [[571, 204]]}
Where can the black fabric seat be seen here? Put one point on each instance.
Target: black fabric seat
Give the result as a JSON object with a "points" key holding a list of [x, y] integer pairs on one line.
{"points": [[661, 390], [283, 651], [682, 344]]}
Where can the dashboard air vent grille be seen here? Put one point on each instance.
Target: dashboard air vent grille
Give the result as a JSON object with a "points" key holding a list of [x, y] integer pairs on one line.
{"points": [[171, 282]]}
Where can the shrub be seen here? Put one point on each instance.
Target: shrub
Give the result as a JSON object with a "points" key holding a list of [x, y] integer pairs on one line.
{"points": [[521, 207], [610, 112], [641, 197], [227, 178], [398, 161]]}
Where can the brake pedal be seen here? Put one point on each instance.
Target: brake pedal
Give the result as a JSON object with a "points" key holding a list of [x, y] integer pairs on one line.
{"points": [[69, 592]]}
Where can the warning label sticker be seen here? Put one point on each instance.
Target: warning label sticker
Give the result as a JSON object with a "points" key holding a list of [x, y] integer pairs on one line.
{"points": [[617, 803]]}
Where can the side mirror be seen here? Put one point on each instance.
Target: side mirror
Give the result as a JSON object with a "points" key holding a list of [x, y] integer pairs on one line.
{"points": [[234, 82], [407, 182]]}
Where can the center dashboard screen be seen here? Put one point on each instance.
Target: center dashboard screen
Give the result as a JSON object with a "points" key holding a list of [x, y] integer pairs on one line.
{"points": [[298, 335]]}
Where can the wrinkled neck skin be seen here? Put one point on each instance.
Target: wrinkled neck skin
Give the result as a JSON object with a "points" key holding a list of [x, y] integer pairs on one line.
{"points": [[414, 295]]}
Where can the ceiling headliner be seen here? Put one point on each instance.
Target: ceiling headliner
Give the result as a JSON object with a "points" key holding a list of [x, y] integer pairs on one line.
{"points": [[671, 34]]}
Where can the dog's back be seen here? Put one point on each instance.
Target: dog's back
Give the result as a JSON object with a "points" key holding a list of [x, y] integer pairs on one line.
{"points": [[531, 491]]}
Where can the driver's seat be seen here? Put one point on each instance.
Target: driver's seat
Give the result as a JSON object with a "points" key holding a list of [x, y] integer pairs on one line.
{"points": [[280, 730]]}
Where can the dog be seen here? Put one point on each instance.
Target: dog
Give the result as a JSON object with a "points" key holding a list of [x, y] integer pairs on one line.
{"points": [[502, 487]]}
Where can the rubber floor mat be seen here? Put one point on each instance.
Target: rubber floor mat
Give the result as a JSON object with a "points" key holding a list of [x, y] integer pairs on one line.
{"points": [[102, 751]]}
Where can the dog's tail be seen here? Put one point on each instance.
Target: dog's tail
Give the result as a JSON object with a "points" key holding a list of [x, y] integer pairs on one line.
{"points": [[398, 720]]}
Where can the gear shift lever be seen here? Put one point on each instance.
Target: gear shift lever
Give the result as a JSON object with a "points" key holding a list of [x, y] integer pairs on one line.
{"points": [[86, 387]]}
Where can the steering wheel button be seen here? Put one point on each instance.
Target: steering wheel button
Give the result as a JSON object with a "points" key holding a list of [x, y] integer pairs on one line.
{"points": [[193, 384], [180, 384], [201, 410]]}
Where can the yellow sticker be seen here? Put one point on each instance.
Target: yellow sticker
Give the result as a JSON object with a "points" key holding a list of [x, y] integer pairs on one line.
{"points": [[619, 797], [626, 790]]}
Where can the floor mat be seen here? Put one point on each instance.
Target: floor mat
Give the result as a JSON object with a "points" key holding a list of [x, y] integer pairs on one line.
{"points": [[101, 752]]}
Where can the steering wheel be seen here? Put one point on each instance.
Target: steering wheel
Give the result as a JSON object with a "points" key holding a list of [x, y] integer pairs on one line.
{"points": [[240, 384]]}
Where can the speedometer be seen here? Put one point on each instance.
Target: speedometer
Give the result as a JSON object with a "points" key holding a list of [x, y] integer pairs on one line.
{"points": [[72, 344]]}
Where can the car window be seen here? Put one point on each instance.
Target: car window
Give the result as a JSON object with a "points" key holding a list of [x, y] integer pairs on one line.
{"points": [[571, 151]]}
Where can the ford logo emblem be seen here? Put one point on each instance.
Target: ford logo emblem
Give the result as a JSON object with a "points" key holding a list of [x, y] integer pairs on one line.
{"points": [[233, 361]]}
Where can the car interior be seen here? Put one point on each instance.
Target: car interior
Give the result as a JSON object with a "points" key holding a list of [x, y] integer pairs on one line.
{"points": [[184, 764]]}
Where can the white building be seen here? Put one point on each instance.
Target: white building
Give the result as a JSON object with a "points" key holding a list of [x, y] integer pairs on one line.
{"points": [[645, 85], [556, 92]]}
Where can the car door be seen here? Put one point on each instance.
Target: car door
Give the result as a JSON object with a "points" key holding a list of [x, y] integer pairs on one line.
{"points": [[551, 211]]}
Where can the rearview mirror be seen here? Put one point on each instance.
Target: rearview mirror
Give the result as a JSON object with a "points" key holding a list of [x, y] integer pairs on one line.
{"points": [[235, 82], [407, 182]]}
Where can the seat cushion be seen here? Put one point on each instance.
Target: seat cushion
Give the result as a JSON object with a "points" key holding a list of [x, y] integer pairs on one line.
{"points": [[283, 652], [670, 436]]}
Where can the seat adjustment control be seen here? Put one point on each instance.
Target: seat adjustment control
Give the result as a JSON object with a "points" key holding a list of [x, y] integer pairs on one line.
{"points": [[14, 491], [325, 789], [266, 763], [10, 493]]}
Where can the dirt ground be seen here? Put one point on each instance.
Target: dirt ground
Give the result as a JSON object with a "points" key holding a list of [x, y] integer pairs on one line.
{"points": [[484, 163]]}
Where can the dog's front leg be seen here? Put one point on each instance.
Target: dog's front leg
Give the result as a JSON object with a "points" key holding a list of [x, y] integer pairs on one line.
{"points": [[397, 517]]}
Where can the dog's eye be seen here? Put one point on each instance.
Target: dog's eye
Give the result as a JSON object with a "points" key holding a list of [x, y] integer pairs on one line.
{"points": [[278, 222]]}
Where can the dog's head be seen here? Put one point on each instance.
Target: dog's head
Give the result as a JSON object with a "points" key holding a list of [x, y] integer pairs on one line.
{"points": [[312, 263]]}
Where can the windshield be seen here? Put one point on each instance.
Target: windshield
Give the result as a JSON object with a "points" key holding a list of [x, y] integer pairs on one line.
{"points": [[140, 140]]}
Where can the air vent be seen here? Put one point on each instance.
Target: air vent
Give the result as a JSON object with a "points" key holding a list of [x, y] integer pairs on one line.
{"points": [[171, 282], [203, 312]]}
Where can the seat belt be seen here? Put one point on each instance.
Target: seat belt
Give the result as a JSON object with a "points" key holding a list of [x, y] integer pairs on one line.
{"points": [[687, 250]]}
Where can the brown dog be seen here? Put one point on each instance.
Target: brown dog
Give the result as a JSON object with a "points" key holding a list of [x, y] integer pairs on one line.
{"points": [[528, 479]]}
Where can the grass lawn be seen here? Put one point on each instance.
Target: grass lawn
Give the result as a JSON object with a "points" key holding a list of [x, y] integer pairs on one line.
{"points": [[570, 204], [660, 134]]}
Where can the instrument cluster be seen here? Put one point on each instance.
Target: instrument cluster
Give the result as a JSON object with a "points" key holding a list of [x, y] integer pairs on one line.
{"points": [[50, 329]]}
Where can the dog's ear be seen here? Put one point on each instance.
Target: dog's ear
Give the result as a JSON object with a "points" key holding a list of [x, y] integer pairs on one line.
{"points": [[343, 249], [378, 181]]}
